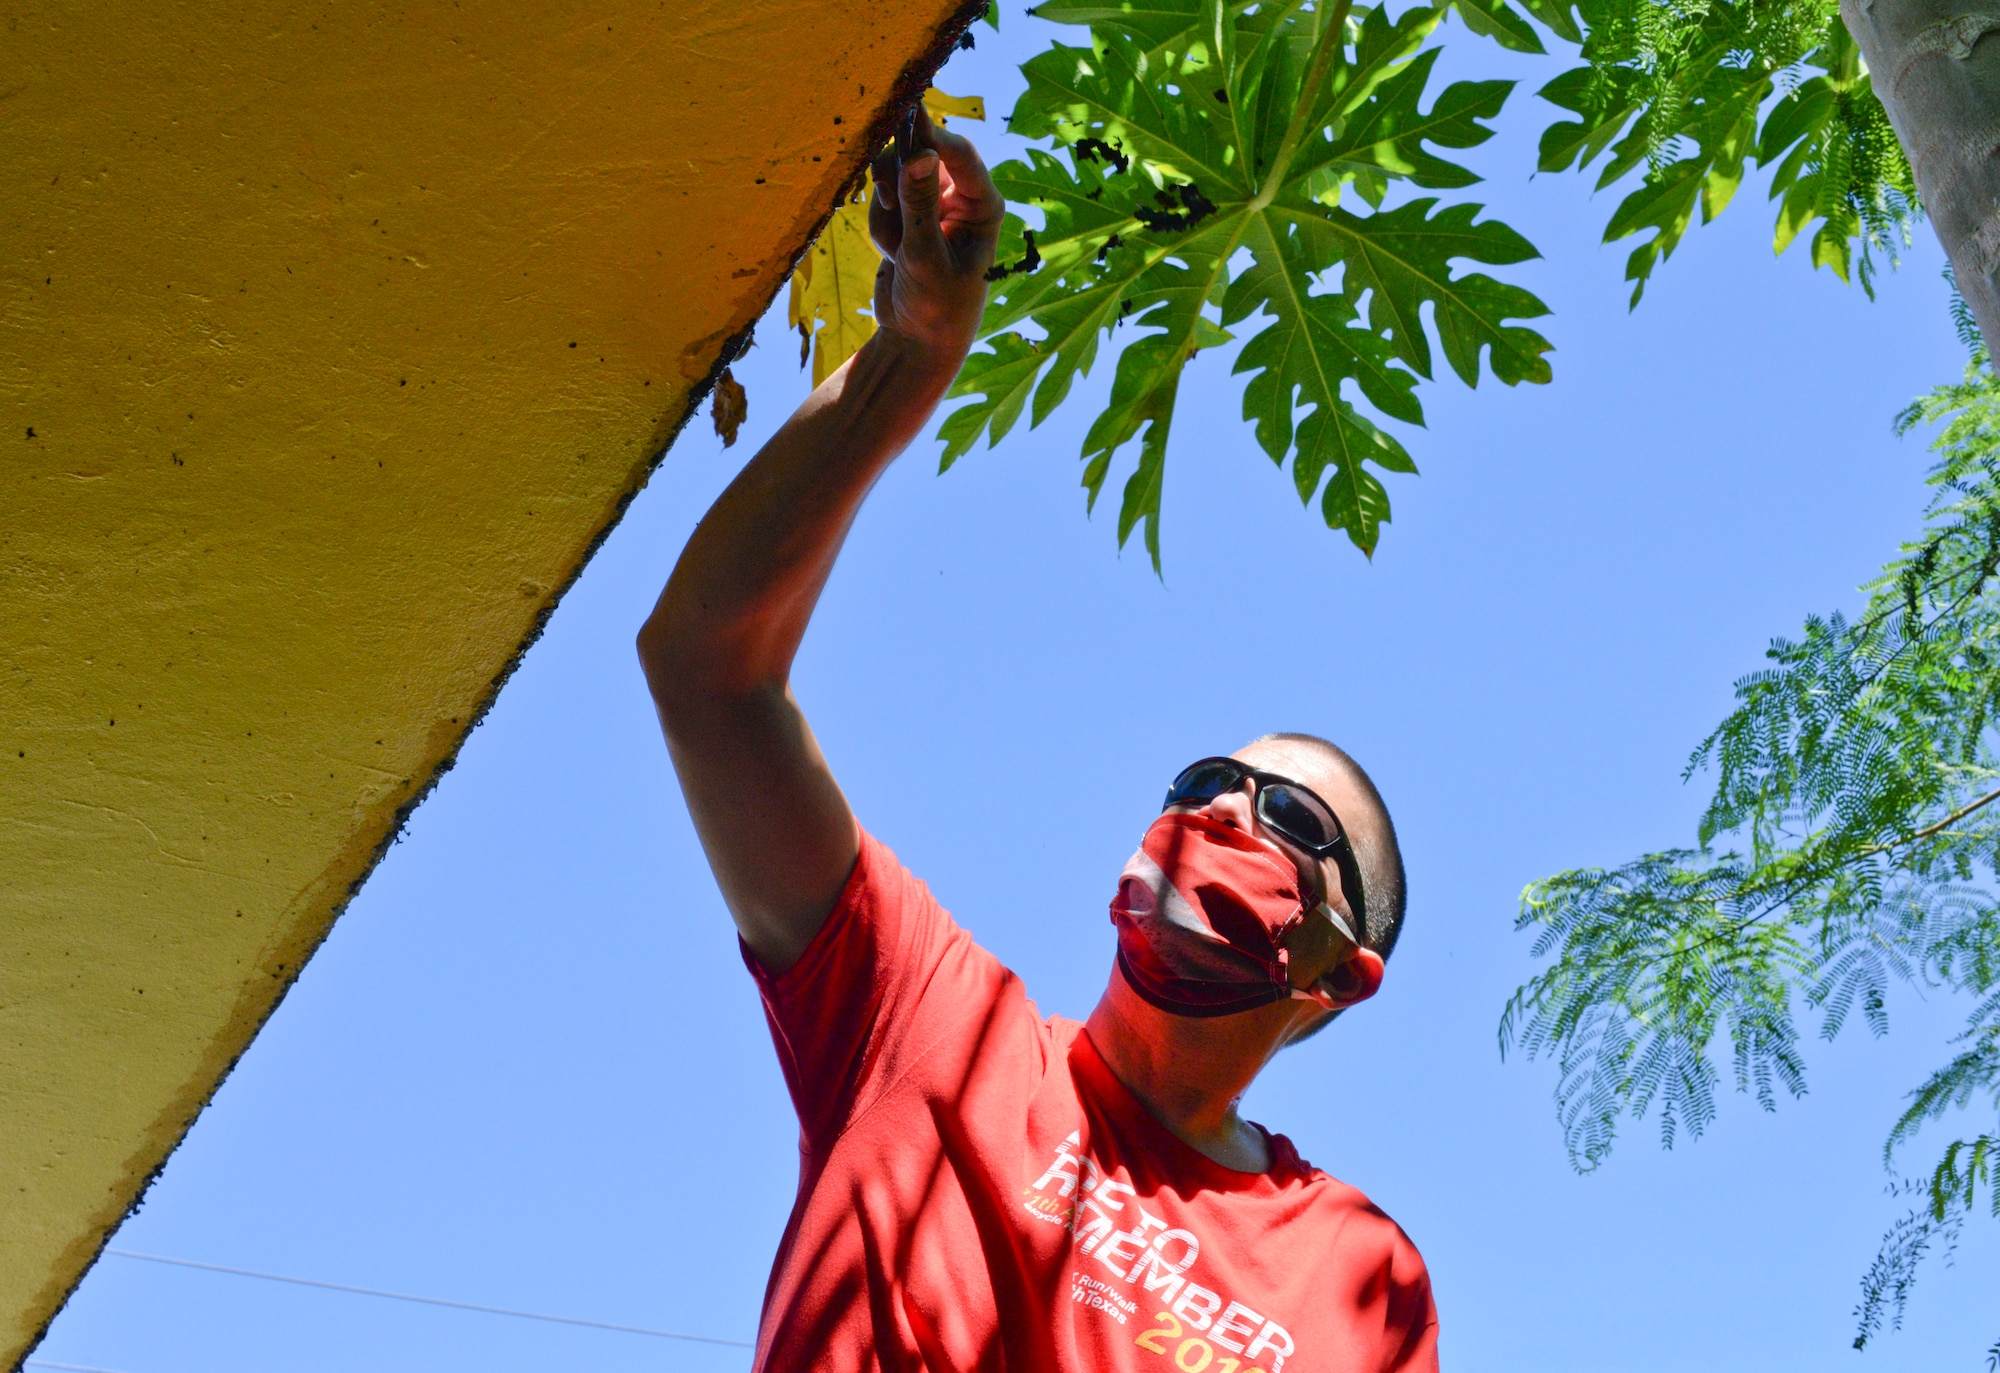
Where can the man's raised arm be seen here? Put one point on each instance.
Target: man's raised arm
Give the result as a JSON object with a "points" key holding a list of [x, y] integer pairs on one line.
{"points": [[718, 646]]}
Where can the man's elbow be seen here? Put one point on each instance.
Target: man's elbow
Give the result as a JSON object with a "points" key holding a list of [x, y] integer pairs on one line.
{"points": [[691, 675], [667, 663]]}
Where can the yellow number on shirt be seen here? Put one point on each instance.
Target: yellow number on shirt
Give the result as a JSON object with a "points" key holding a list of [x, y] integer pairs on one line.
{"points": [[1172, 1330], [1203, 1351], [1230, 1365]]}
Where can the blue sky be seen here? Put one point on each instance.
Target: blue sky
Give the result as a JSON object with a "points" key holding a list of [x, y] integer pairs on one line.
{"points": [[528, 1070]]}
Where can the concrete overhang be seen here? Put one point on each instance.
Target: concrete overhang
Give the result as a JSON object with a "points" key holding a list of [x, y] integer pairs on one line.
{"points": [[333, 338]]}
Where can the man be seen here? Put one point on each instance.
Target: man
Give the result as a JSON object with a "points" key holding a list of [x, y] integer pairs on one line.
{"points": [[980, 1188]]}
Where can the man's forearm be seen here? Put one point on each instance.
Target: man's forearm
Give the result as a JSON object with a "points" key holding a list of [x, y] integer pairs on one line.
{"points": [[718, 647], [734, 611]]}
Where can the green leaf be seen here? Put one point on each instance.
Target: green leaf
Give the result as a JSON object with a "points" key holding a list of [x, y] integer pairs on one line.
{"points": [[1147, 381], [1591, 94], [1382, 48], [1075, 323], [1356, 501], [1679, 90], [1143, 487], [1800, 202], [1402, 258], [1313, 347], [1497, 20], [1574, 90], [1558, 15], [1798, 115], [1198, 154], [1082, 212], [1389, 132], [1003, 376], [1665, 203], [1857, 786], [1169, 30], [1314, 343], [1158, 26], [1106, 91], [1830, 251]]}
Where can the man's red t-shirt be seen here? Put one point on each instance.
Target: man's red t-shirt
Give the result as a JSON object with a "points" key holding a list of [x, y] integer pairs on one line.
{"points": [[978, 1191]]}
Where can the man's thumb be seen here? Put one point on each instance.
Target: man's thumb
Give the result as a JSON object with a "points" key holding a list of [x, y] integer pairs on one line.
{"points": [[917, 193]]}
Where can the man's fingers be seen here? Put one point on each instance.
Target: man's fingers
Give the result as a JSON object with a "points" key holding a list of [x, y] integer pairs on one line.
{"points": [[919, 192], [885, 219], [917, 196], [975, 199], [911, 191]]}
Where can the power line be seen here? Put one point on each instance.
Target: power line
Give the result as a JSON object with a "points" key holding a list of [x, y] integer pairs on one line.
{"points": [[66, 1367], [426, 1301]]}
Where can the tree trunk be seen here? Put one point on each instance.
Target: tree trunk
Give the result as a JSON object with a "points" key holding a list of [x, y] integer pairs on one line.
{"points": [[1935, 65]]}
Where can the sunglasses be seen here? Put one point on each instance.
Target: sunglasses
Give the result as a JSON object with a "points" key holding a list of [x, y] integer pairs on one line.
{"points": [[1288, 809]]}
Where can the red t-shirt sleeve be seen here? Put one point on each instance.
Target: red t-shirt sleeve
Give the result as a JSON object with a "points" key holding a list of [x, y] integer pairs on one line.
{"points": [[887, 976], [1411, 1326]]}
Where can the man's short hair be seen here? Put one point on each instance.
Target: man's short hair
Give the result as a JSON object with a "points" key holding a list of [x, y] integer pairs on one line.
{"points": [[1376, 852]]}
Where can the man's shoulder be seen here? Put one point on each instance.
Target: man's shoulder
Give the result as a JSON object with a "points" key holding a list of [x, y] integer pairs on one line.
{"points": [[882, 885], [1365, 1221]]}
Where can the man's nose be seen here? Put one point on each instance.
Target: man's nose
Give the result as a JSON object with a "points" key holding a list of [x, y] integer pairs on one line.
{"points": [[1236, 807]]}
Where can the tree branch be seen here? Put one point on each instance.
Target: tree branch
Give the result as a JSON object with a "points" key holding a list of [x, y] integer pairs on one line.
{"points": [[1946, 823]]}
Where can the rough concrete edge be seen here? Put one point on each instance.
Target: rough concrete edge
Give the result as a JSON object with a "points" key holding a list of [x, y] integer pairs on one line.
{"points": [[909, 87]]}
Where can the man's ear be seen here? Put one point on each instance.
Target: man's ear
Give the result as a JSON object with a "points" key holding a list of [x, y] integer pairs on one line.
{"points": [[1352, 980]]}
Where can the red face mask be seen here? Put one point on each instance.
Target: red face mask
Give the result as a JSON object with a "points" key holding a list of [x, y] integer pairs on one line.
{"points": [[1202, 913]]}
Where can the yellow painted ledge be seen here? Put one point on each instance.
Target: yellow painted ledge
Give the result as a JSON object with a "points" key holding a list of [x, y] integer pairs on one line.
{"points": [[332, 340]]}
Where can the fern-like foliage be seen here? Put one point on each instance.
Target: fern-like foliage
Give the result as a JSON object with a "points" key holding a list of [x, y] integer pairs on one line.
{"points": [[1953, 1190], [1216, 165], [1684, 89], [1852, 843]]}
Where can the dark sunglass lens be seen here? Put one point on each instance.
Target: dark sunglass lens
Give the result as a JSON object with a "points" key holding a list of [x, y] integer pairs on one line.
{"points": [[1296, 815], [1203, 783]]}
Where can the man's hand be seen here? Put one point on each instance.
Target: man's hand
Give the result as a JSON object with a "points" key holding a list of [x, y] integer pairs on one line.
{"points": [[718, 649], [936, 217]]}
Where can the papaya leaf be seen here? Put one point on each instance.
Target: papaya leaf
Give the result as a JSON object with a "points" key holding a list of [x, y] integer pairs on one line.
{"points": [[1497, 20], [944, 108], [1197, 155], [1389, 132], [1311, 349], [1162, 27], [1403, 257], [1559, 16], [1665, 202], [1005, 377], [1157, 25], [1605, 101], [832, 301]]}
